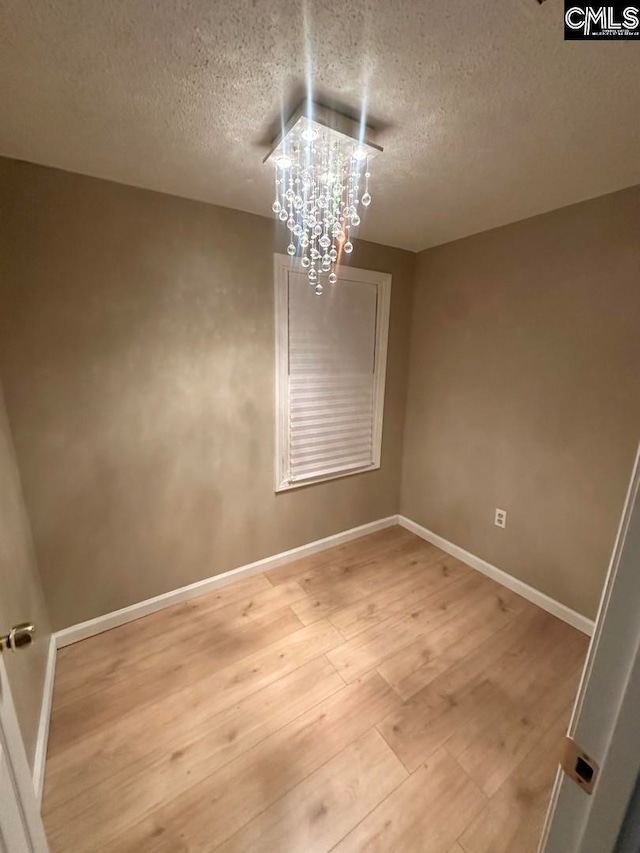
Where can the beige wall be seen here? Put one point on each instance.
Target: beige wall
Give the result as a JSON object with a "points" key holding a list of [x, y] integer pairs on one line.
{"points": [[524, 393], [21, 598], [137, 346]]}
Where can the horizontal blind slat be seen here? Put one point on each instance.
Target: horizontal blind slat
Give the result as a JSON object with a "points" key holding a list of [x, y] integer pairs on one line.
{"points": [[331, 455], [327, 420], [315, 438], [329, 430], [301, 411], [314, 470], [326, 380]]}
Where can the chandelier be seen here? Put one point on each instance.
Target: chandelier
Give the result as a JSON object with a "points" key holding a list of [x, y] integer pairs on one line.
{"points": [[322, 175]]}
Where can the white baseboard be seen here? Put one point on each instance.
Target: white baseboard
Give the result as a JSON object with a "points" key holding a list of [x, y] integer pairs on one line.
{"points": [[45, 718], [127, 614], [143, 608], [520, 587]]}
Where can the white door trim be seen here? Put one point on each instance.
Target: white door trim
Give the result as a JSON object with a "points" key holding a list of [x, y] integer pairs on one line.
{"points": [[45, 719]]}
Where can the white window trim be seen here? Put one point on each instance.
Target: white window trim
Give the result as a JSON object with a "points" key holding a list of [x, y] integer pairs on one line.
{"points": [[283, 264]]}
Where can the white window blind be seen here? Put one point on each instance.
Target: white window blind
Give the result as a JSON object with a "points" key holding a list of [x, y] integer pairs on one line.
{"points": [[331, 363]]}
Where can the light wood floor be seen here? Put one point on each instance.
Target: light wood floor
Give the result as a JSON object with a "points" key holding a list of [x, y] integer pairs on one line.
{"points": [[377, 696]]}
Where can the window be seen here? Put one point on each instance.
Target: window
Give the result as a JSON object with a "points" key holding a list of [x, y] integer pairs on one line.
{"points": [[331, 358]]}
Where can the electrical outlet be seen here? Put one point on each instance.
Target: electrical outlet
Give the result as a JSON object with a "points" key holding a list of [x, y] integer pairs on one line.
{"points": [[501, 518]]}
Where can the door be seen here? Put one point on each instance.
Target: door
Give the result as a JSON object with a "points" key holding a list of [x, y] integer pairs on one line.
{"points": [[605, 717], [21, 829]]}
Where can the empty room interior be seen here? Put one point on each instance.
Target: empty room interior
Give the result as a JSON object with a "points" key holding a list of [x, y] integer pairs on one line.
{"points": [[319, 408]]}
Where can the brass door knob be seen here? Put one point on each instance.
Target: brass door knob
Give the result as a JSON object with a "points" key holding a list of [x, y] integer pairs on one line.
{"points": [[18, 637]]}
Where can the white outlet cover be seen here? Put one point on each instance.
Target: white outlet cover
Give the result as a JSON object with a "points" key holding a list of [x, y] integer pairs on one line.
{"points": [[501, 518]]}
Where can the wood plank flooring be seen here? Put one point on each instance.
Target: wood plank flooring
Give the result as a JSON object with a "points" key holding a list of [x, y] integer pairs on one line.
{"points": [[377, 696]]}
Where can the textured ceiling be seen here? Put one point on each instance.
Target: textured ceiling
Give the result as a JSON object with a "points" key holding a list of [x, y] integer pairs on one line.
{"points": [[486, 114]]}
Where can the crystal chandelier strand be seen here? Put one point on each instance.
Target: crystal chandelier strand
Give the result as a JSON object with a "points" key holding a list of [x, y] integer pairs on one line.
{"points": [[366, 198], [318, 195]]}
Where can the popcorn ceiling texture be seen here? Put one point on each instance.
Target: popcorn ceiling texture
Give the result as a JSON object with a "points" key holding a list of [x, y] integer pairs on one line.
{"points": [[488, 115]]}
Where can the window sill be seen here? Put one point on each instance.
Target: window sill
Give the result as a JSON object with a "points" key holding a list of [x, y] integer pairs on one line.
{"points": [[287, 486]]}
